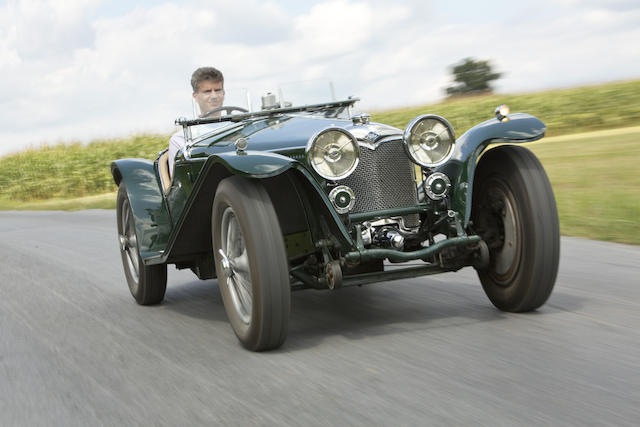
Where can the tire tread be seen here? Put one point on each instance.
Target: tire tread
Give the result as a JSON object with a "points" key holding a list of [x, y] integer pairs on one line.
{"points": [[521, 169]]}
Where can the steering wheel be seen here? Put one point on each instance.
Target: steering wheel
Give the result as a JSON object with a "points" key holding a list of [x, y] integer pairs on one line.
{"points": [[227, 108]]}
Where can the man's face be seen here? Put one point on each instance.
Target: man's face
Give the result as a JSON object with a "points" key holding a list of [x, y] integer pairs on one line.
{"points": [[210, 95]]}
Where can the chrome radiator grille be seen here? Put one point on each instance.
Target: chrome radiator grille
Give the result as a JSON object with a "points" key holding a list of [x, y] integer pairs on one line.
{"points": [[384, 179]]}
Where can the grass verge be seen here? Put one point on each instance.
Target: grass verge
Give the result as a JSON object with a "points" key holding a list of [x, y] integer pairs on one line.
{"points": [[77, 170], [594, 178], [593, 171], [563, 111], [99, 201]]}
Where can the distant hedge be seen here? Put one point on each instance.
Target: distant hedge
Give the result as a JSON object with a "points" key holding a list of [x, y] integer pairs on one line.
{"points": [[71, 170], [75, 170], [564, 111]]}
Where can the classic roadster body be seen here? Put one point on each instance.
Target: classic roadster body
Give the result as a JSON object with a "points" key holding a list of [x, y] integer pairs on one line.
{"points": [[291, 198]]}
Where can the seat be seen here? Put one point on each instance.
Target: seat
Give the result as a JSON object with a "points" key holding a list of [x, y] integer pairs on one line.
{"points": [[163, 170]]}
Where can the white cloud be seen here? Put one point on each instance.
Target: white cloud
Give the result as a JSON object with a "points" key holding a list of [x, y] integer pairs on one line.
{"points": [[46, 28], [334, 28], [70, 73]]}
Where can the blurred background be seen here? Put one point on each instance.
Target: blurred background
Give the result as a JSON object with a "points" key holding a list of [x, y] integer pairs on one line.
{"points": [[80, 69], [84, 82]]}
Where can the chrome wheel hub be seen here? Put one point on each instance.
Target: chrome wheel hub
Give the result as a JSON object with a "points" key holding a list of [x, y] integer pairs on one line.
{"points": [[506, 257], [235, 265], [226, 265], [501, 231], [128, 242]]}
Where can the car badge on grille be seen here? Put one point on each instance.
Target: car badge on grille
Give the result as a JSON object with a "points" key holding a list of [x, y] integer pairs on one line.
{"points": [[371, 136]]}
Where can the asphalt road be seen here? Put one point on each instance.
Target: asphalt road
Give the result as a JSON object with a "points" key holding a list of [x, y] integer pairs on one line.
{"points": [[75, 349]]}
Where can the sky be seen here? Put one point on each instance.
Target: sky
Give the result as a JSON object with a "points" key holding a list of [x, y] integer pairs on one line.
{"points": [[78, 70]]}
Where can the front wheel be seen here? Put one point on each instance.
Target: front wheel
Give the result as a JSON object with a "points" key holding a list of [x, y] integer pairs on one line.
{"points": [[147, 283], [514, 211], [251, 263]]}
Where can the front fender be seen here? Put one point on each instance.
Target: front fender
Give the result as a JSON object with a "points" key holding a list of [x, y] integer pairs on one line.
{"points": [[152, 221], [461, 167], [250, 164], [253, 164], [192, 233]]}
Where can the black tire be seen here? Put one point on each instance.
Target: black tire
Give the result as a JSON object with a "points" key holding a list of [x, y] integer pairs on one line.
{"points": [[253, 275], [515, 213], [147, 283]]}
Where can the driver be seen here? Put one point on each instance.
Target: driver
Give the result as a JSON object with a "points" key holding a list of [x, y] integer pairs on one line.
{"points": [[208, 92]]}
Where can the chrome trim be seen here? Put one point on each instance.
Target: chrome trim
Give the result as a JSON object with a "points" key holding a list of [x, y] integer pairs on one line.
{"points": [[395, 238], [373, 146], [244, 116], [429, 181], [235, 265], [395, 220], [502, 113], [363, 132], [306, 115], [269, 101], [226, 265], [241, 145], [367, 239], [334, 193], [312, 141], [361, 119], [413, 123]]}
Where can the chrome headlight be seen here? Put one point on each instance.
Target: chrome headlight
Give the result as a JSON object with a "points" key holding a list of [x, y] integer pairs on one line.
{"points": [[333, 153], [429, 140]]}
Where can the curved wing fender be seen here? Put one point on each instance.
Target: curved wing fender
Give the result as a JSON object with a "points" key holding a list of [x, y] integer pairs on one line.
{"points": [[193, 213], [254, 164], [520, 128], [190, 205], [265, 165], [151, 217], [251, 164]]}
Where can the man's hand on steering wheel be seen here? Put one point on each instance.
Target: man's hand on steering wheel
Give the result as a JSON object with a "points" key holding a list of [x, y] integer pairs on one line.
{"points": [[227, 108]]}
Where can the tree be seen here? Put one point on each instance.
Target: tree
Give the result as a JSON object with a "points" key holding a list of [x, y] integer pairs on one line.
{"points": [[473, 76]]}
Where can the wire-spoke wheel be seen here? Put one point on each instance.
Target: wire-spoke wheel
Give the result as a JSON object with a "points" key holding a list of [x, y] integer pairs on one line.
{"points": [[146, 283], [251, 263], [514, 211]]}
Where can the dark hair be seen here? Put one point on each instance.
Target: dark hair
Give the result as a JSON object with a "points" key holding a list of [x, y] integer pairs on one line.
{"points": [[205, 73]]}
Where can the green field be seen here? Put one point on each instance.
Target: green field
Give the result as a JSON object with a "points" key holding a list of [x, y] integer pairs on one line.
{"points": [[566, 111], [593, 171], [596, 183], [98, 201]]}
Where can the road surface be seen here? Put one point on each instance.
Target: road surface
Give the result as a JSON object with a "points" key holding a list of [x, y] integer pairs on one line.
{"points": [[75, 349]]}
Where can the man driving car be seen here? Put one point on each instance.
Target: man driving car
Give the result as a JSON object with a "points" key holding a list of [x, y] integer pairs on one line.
{"points": [[208, 92]]}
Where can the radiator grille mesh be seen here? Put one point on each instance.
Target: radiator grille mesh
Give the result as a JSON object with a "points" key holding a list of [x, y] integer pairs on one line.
{"points": [[384, 180]]}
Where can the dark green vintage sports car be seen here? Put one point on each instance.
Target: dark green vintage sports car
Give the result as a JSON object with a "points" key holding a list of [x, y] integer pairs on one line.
{"points": [[299, 197]]}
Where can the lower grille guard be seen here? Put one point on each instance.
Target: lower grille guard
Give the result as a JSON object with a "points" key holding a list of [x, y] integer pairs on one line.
{"points": [[307, 281], [361, 254]]}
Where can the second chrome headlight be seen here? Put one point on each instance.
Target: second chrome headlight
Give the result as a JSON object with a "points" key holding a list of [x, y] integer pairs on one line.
{"points": [[429, 140], [333, 153]]}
